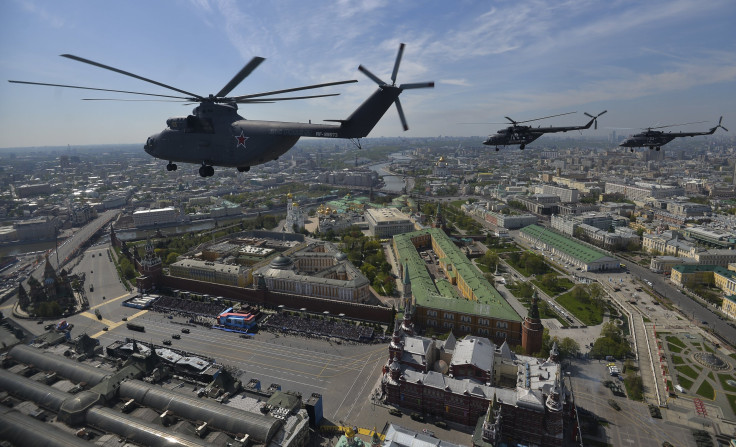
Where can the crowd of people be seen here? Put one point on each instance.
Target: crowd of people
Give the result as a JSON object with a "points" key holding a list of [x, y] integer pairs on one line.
{"points": [[188, 308], [318, 327]]}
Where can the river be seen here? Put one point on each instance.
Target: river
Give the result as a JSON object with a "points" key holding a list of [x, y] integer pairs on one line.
{"points": [[393, 183]]}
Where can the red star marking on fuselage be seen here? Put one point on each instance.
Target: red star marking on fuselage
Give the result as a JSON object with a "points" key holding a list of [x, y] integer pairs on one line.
{"points": [[241, 139]]}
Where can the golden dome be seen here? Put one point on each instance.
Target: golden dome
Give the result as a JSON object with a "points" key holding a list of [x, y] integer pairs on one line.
{"points": [[289, 196], [442, 158]]}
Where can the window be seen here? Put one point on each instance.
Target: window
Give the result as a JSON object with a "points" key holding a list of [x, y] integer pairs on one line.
{"points": [[484, 321], [449, 316], [447, 325], [431, 313], [500, 334], [483, 331], [466, 318], [502, 325]]}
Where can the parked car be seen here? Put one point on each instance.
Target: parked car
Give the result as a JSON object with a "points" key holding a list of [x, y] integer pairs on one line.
{"points": [[441, 424], [185, 331], [176, 336], [167, 342], [395, 412]]}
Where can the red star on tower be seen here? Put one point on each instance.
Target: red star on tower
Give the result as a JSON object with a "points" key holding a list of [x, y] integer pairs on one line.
{"points": [[241, 139]]}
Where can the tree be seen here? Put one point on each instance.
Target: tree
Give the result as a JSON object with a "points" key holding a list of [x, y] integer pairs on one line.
{"points": [[171, 257], [568, 348]]}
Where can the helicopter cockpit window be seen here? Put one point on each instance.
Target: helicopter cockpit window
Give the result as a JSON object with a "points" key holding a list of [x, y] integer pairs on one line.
{"points": [[196, 124]]}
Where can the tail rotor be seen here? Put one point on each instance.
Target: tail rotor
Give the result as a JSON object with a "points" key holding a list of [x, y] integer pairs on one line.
{"points": [[595, 118], [720, 120], [401, 87]]}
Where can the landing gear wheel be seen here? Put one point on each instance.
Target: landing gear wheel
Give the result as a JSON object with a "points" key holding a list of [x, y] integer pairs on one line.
{"points": [[171, 167], [657, 148], [243, 168], [496, 149], [206, 171], [522, 147], [632, 149]]}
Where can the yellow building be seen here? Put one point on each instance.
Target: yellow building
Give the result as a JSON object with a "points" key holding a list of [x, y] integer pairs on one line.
{"points": [[729, 306], [232, 275]]}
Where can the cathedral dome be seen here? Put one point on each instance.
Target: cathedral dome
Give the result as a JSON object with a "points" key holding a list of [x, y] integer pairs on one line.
{"points": [[341, 257]]}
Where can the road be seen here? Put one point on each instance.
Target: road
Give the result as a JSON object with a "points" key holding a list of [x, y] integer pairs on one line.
{"points": [[689, 307], [344, 374]]}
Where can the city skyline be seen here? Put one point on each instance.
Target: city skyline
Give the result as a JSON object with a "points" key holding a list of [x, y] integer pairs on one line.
{"points": [[648, 64]]}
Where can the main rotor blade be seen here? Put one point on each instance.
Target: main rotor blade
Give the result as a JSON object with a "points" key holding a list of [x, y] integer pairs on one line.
{"points": [[132, 100], [258, 100], [375, 78], [417, 85], [676, 125], [512, 121], [401, 114], [397, 63], [276, 92], [242, 74], [544, 117], [100, 89], [117, 70]]}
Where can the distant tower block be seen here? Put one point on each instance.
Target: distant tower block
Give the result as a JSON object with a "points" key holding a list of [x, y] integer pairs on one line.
{"points": [[532, 329]]}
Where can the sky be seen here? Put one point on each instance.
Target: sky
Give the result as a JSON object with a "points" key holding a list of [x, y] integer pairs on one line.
{"points": [[654, 62]]}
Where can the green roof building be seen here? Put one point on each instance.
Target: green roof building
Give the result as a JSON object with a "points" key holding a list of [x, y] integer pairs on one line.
{"points": [[462, 300], [569, 250]]}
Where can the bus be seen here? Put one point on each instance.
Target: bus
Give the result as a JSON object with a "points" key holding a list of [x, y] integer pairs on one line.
{"points": [[136, 327]]}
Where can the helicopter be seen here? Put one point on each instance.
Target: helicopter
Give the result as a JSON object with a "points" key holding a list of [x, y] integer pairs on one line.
{"points": [[655, 139], [215, 135], [523, 135]]}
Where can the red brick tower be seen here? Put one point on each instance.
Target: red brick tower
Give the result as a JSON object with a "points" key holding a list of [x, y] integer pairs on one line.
{"points": [[531, 330]]}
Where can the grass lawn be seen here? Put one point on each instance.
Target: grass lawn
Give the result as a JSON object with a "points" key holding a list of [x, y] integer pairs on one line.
{"points": [[669, 385], [677, 360], [674, 348], [687, 370], [723, 377], [561, 285], [684, 382], [733, 356], [708, 348], [698, 367], [732, 401], [588, 313], [706, 390], [675, 341]]}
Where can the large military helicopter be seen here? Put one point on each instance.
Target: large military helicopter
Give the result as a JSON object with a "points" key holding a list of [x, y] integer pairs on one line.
{"points": [[655, 139], [215, 135], [523, 135]]}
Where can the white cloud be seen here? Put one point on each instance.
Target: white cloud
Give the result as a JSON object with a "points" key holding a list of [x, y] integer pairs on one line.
{"points": [[33, 8]]}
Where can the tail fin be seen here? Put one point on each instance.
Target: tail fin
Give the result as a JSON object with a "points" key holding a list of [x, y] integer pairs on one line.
{"points": [[364, 118]]}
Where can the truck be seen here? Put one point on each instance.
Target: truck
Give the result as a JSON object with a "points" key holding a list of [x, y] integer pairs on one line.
{"points": [[136, 327]]}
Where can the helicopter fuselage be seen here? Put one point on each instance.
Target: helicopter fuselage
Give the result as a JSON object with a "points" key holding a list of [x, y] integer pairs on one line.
{"points": [[511, 136], [216, 135]]}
